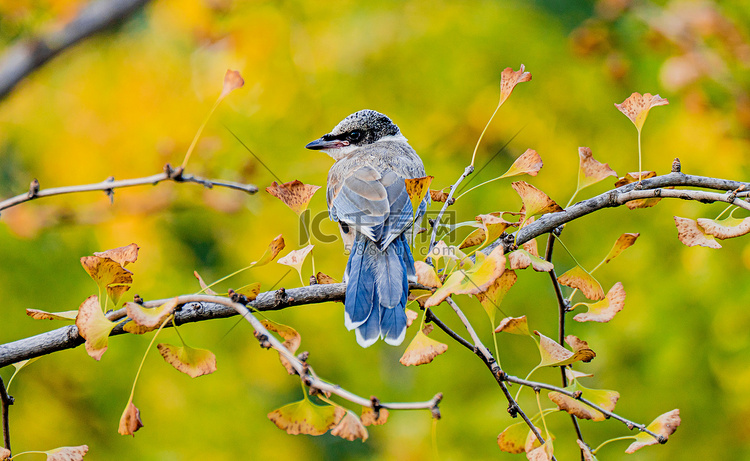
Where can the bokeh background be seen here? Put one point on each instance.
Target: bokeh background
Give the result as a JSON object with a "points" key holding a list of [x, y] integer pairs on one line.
{"points": [[128, 101]]}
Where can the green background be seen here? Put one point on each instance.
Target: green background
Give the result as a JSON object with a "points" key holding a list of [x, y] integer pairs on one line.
{"points": [[129, 101]]}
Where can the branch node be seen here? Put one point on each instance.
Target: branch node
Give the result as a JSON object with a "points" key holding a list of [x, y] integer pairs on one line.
{"points": [[263, 340], [313, 280], [676, 165], [661, 439], [302, 357], [237, 297], [137, 299], [375, 405], [281, 298], [513, 409], [33, 188], [435, 409], [577, 395]]}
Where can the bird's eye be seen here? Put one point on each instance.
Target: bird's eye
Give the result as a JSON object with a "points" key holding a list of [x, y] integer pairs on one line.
{"points": [[355, 136]]}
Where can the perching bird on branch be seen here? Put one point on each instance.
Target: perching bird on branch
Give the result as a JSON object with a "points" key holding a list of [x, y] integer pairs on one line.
{"points": [[367, 196]]}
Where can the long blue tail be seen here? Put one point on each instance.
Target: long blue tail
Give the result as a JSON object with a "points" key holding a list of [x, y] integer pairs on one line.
{"points": [[376, 291]]}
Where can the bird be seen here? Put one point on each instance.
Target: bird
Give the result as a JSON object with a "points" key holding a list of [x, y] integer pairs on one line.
{"points": [[367, 196]]}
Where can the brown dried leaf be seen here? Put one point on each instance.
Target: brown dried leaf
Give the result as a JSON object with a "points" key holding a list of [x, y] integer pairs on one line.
{"points": [[232, 81], [151, 318], [554, 355], [534, 201], [276, 245], [493, 296], [605, 310], [636, 107], [350, 428], [591, 171], [422, 349], [586, 451], [726, 228], [292, 340], [36, 314], [691, 234], [664, 425], [623, 242], [324, 279], [122, 255], [605, 399], [411, 316], [191, 361], [528, 163], [67, 453], [426, 275], [130, 421], [94, 327], [204, 287], [521, 259], [509, 79], [542, 452], [514, 326], [577, 277], [4, 453], [438, 195], [369, 418], [295, 194]]}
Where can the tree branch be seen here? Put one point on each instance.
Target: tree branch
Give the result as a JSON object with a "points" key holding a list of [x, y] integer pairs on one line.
{"points": [[23, 58], [110, 184], [5, 402]]}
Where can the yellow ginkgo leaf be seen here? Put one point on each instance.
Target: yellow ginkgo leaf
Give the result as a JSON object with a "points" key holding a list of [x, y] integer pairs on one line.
{"points": [[296, 195], [94, 327], [664, 425], [422, 349], [534, 201], [528, 163], [577, 277], [601, 397], [191, 361], [637, 106], [605, 310], [304, 417]]}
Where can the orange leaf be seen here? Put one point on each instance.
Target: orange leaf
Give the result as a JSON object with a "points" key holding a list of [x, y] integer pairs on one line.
{"points": [[521, 259], [534, 201], [150, 318], [43, 315], [324, 279], [726, 228], [590, 170], [232, 81], [203, 285], [67, 453], [577, 277], [509, 79], [664, 425], [691, 234], [292, 340], [109, 275], [554, 355], [411, 316], [623, 242], [122, 255], [422, 349], [350, 428], [542, 452], [94, 327], [528, 163], [276, 245], [636, 107], [369, 418], [438, 195], [295, 194], [130, 421], [193, 362], [605, 310]]}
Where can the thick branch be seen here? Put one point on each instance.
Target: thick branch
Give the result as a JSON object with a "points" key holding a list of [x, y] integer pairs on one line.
{"points": [[5, 402], [110, 184], [23, 58]]}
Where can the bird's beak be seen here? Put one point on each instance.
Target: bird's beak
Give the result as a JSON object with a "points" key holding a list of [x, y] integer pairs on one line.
{"points": [[323, 144]]}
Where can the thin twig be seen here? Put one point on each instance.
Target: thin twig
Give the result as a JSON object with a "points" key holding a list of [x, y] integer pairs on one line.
{"points": [[110, 184], [5, 402], [24, 57], [448, 201]]}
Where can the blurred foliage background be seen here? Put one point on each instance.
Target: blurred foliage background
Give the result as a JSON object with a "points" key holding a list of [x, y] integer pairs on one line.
{"points": [[128, 101]]}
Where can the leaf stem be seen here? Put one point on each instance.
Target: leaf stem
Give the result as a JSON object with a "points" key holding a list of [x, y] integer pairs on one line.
{"points": [[624, 437]]}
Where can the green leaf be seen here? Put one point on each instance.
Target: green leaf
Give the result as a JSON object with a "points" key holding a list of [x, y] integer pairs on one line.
{"points": [[304, 417]]}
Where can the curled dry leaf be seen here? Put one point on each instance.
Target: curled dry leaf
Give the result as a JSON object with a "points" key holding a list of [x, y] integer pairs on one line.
{"points": [[528, 163], [109, 275], [191, 361], [4, 453], [295, 194], [577, 277], [633, 177], [94, 327], [411, 316], [541, 453], [605, 310], [522, 258], [67, 453], [324, 279], [691, 234], [513, 438], [586, 451], [232, 81], [664, 425], [422, 349], [603, 398], [572, 374], [36, 314], [726, 228], [130, 421], [304, 417], [150, 318], [471, 281], [636, 107], [276, 245], [493, 296], [204, 287], [554, 355], [122, 255], [369, 418], [510, 78], [438, 195], [534, 201], [514, 326], [292, 340], [590, 170], [350, 428], [623, 242], [417, 188], [426, 275]]}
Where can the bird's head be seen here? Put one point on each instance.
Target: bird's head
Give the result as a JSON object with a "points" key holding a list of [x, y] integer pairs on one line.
{"points": [[359, 129]]}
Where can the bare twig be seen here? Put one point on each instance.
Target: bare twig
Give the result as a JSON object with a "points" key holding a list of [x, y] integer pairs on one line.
{"points": [[110, 184], [5, 402], [448, 201], [23, 58]]}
